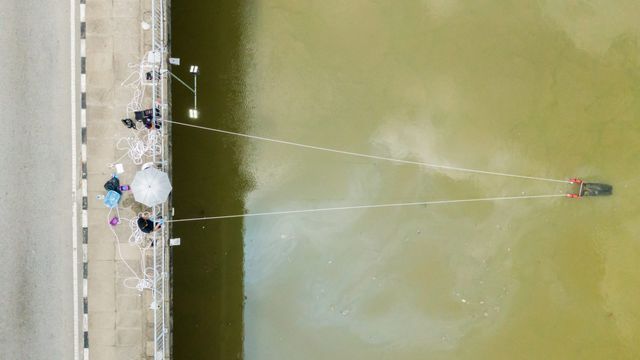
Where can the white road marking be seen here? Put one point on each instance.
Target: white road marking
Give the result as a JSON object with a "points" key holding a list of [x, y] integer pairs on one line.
{"points": [[74, 170], [85, 218], [83, 155], [82, 12], [83, 117]]}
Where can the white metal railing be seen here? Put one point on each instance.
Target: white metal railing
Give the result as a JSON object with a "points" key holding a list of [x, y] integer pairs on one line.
{"points": [[160, 293]]}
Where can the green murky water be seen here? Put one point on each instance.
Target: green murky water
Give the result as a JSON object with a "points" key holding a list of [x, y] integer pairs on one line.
{"points": [[544, 88]]}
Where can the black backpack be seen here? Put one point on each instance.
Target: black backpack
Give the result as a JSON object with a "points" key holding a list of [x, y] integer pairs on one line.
{"points": [[113, 184]]}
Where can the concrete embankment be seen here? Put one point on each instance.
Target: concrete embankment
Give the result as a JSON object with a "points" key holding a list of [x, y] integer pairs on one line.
{"points": [[120, 321]]}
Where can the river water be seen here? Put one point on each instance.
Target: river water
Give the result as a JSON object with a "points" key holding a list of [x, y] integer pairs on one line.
{"points": [[540, 88]]}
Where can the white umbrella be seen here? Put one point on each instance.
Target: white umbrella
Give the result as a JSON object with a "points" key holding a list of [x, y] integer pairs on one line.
{"points": [[151, 186]]}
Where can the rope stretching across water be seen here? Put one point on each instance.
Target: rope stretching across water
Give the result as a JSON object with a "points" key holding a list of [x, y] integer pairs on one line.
{"points": [[434, 202], [436, 166]]}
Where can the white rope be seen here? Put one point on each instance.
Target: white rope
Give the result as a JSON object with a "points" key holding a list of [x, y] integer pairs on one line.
{"points": [[444, 167], [136, 82], [147, 276], [137, 237], [145, 143], [139, 147], [435, 202]]}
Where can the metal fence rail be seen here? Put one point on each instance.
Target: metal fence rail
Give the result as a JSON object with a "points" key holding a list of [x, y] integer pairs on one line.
{"points": [[160, 289]]}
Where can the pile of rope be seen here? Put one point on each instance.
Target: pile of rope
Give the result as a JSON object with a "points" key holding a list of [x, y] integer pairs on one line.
{"points": [[136, 81], [139, 146], [147, 275], [143, 144]]}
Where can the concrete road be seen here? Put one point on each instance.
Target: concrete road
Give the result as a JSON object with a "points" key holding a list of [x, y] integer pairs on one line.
{"points": [[36, 197]]}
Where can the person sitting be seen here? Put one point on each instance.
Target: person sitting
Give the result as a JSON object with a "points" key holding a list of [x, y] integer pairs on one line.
{"points": [[147, 225], [595, 189]]}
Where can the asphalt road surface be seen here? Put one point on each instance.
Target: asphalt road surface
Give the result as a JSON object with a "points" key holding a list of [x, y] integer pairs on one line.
{"points": [[36, 197]]}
